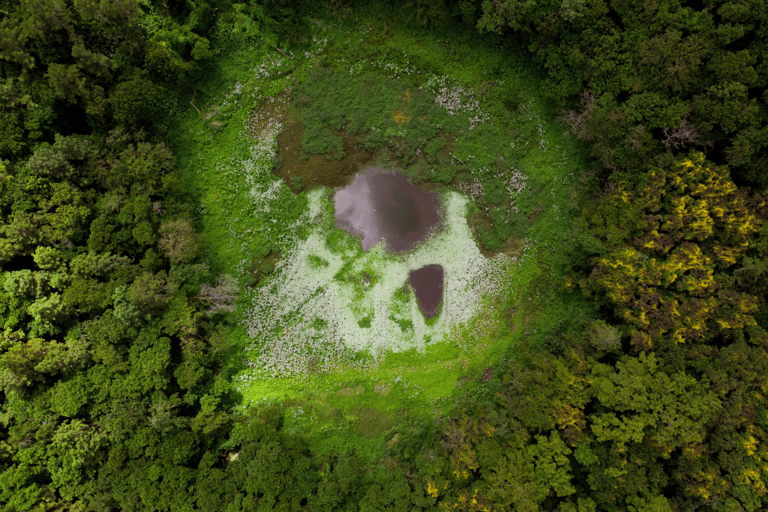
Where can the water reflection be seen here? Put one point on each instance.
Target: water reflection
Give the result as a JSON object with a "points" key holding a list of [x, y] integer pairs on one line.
{"points": [[382, 205], [427, 283]]}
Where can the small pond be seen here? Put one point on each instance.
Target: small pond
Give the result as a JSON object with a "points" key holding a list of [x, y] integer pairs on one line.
{"points": [[381, 204], [427, 283]]}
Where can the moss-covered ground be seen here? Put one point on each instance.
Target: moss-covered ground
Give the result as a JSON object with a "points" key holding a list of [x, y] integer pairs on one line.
{"points": [[270, 133]]}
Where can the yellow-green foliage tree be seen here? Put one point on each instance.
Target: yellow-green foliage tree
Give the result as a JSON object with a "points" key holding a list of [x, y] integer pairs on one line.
{"points": [[672, 247], [730, 467]]}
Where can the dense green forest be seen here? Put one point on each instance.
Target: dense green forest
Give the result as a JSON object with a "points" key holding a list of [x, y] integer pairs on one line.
{"points": [[116, 387]]}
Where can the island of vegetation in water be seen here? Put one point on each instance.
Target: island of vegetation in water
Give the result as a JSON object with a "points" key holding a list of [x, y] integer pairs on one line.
{"points": [[410, 255]]}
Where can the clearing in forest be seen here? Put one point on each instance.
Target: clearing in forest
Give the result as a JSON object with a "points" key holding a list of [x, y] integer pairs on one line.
{"points": [[328, 318]]}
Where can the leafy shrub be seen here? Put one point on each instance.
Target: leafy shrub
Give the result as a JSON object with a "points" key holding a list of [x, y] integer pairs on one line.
{"points": [[338, 143], [317, 140], [494, 190], [431, 149], [443, 172], [374, 141], [298, 183], [178, 241], [489, 238]]}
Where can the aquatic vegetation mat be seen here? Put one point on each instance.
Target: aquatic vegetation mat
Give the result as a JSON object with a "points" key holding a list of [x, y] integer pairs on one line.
{"points": [[320, 316]]}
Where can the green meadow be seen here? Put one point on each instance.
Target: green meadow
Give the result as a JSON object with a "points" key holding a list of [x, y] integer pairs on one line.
{"points": [[270, 134]]}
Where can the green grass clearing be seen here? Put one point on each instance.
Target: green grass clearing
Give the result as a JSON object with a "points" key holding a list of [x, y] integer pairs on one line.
{"points": [[459, 119]]}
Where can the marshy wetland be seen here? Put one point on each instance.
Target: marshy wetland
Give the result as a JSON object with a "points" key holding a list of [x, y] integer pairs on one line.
{"points": [[383, 207], [376, 198]]}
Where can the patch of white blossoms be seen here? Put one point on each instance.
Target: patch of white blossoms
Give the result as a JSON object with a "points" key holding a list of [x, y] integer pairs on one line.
{"points": [[303, 319], [455, 99], [527, 108], [472, 188], [259, 180]]}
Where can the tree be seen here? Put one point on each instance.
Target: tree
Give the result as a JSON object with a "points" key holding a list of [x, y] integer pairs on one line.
{"points": [[273, 466], [71, 455], [645, 403], [25, 364], [67, 81], [180, 244], [552, 464], [667, 272], [511, 482], [135, 102], [150, 292], [221, 297]]}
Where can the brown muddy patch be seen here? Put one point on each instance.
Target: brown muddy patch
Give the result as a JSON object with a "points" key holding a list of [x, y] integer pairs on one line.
{"points": [[317, 170], [262, 267], [513, 247], [271, 111]]}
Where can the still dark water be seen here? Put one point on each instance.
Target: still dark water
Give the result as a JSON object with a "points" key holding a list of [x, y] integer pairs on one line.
{"points": [[382, 204], [427, 283]]}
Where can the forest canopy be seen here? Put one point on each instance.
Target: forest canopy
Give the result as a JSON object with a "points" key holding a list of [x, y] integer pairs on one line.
{"points": [[116, 387]]}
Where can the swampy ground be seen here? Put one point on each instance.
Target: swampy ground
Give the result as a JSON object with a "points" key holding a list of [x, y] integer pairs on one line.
{"points": [[266, 130]]}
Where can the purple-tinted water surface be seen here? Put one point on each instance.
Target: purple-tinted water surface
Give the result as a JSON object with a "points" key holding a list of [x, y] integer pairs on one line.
{"points": [[427, 283], [380, 204]]}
